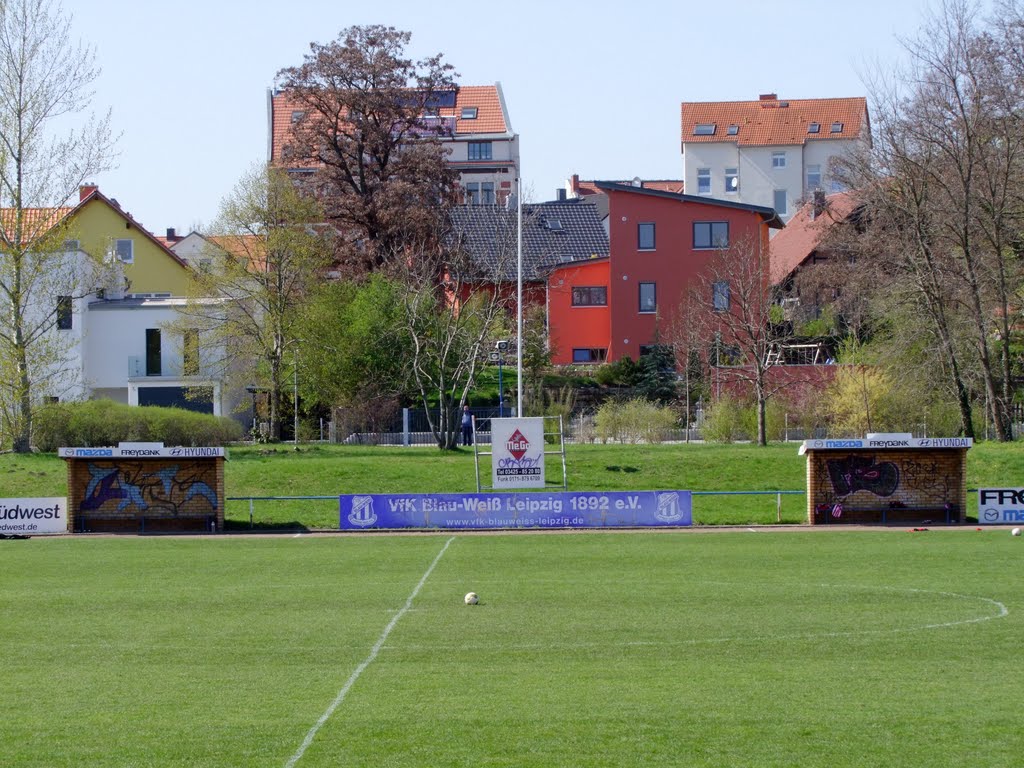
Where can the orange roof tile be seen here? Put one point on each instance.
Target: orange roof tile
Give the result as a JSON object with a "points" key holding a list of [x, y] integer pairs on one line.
{"points": [[793, 245], [490, 115], [773, 121], [36, 221], [41, 219]]}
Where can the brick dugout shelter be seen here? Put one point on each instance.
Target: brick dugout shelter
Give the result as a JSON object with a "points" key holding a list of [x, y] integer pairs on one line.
{"points": [[887, 478], [145, 488]]}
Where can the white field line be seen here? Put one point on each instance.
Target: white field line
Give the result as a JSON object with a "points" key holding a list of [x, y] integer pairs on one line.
{"points": [[366, 662], [1001, 611]]}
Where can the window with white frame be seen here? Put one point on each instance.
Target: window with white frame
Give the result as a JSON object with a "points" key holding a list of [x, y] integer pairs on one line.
{"points": [[732, 181], [648, 297], [473, 193], [813, 177], [124, 250], [778, 159], [703, 181], [487, 192]]}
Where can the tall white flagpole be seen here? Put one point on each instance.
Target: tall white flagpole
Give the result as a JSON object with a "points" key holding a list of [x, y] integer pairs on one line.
{"points": [[519, 295]]}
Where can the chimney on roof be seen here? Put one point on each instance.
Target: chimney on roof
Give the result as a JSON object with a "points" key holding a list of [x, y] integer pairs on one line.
{"points": [[171, 234], [560, 195], [574, 185], [819, 204], [769, 97], [85, 190]]}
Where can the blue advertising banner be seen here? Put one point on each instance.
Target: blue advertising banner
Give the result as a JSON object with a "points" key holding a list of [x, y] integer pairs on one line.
{"points": [[516, 510]]}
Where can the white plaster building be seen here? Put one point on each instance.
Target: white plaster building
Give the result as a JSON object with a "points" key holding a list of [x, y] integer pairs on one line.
{"points": [[770, 152]]}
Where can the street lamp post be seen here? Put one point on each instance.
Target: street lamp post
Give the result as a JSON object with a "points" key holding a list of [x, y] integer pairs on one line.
{"points": [[502, 347]]}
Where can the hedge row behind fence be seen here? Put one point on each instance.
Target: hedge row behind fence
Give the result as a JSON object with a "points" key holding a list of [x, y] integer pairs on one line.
{"points": [[104, 422]]}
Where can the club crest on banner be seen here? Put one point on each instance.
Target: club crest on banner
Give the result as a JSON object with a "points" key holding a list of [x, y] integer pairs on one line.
{"points": [[362, 513]]}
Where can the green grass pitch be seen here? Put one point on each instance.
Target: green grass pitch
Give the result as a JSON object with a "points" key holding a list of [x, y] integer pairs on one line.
{"points": [[724, 648]]}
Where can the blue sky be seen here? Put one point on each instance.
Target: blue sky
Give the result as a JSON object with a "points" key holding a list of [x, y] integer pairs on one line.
{"points": [[592, 87]]}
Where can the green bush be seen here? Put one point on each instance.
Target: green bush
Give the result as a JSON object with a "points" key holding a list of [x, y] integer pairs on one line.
{"points": [[104, 422], [634, 421], [624, 372], [724, 422]]}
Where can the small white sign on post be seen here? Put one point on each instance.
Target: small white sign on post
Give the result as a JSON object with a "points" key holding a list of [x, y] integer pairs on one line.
{"points": [[517, 453], [31, 517]]}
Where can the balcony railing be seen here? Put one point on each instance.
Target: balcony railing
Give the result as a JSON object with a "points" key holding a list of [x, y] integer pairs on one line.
{"points": [[168, 370]]}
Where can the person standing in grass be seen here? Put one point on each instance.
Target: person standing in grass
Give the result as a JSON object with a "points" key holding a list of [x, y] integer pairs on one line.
{"points": [[467, 426]]}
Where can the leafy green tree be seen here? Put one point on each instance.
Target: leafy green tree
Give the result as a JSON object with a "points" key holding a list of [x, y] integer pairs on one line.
{"points": [[362, 349], [266, 260], [49, 147]]}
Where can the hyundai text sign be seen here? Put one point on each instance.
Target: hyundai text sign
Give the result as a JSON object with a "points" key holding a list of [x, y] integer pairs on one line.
{"points": [[1000, 505], [30, 517], [517, 447]]}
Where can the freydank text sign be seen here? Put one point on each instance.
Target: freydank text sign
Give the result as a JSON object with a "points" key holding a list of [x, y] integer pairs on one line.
{"points": [[517, 453], [1000, 505], [516, 510], [31, 517]]}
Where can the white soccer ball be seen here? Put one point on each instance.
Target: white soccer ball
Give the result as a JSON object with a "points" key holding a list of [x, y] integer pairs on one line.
{"points": [[472, 598], [1014, 532]]}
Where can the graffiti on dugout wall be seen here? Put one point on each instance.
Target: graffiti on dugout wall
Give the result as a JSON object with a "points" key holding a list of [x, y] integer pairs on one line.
{"points": [[862, 473], [142, 486]]}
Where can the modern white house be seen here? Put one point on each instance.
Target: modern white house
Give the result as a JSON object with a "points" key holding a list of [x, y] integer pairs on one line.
{"points": [[108, 303], [771, 152]]}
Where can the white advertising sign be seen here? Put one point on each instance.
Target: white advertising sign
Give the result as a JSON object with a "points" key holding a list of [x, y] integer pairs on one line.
{"points": [[1000, 506], [139, 451], [517, 448], [31, 517]]}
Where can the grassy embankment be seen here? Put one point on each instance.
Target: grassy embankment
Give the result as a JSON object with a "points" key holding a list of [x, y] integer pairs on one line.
{"points": [[321, 470]]}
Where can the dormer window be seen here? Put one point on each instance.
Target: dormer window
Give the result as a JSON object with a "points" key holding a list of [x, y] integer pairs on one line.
{"points": [[469, 113], [837, 127], [733, 129], [814, 127], [704, 129]]}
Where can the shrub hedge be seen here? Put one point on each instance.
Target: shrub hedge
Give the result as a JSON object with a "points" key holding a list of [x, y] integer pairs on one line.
{"points": [[104, 422]]}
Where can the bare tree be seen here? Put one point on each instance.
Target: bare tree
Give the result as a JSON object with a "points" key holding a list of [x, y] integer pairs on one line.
{"points": [[366, 137], [731, 307], [451, 322], [944, 184], [44, 78], [265, 259]]}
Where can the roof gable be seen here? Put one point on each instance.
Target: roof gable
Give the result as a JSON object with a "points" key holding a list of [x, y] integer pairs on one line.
{"points": [[803, 234], [773, 121], [554, 233], [770, 217]]}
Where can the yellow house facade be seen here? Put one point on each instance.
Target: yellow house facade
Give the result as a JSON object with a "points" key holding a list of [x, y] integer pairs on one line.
{"points": [[107, 232]]}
